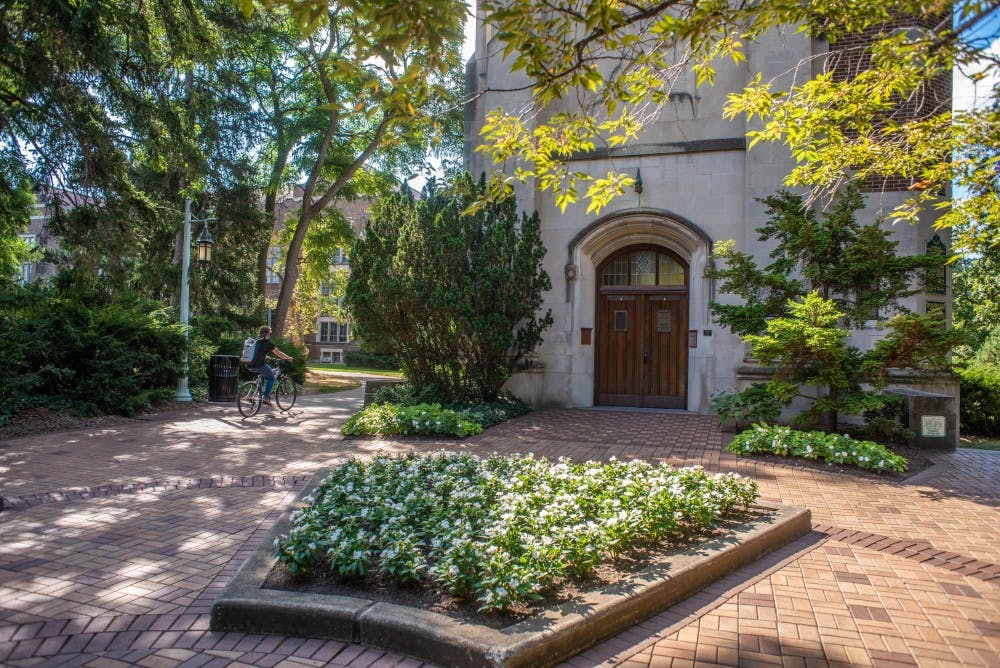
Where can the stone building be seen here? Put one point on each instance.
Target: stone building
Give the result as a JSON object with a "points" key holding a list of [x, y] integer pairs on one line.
{"points": [[630, 297]]}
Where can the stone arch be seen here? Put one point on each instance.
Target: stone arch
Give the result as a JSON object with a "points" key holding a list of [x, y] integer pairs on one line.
{"points": [[610, 234]]}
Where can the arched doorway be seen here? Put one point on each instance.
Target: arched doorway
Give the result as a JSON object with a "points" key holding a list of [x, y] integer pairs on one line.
{"points": [[641, 329]]}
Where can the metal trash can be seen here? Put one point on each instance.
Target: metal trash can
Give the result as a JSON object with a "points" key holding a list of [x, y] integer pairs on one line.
{"points": [[223, 377]]}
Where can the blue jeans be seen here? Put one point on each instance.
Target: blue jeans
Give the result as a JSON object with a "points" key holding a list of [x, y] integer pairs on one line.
{"points": [[267, 373]]}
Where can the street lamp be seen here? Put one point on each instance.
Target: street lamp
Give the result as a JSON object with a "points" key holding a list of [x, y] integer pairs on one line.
{"points": [[204, 246], [204, 257]]}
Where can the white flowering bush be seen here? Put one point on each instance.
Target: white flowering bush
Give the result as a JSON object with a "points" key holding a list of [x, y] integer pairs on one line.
{"points": [[421, 420], [498, 531], [834, 448]]}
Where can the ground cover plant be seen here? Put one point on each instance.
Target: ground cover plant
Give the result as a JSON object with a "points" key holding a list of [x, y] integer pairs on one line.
{"points": [[502, 530], [830, 447], [402, 409], [418, 420]]}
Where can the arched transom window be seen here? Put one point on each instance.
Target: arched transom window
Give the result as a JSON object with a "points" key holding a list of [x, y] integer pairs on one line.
{"points": [[643, 268]]}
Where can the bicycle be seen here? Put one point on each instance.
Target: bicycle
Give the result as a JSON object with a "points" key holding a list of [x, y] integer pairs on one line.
{"points": [[284, 393]]}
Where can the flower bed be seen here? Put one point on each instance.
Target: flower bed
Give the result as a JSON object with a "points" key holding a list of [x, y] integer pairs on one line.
{"points": [[833, 448], [499, 531]]}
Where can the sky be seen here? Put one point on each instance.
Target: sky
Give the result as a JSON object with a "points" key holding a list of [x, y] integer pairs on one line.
{"points": [[967, 94]]}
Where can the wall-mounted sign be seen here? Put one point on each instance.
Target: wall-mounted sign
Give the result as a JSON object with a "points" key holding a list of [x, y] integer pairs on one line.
{"points": [[932, 426]]}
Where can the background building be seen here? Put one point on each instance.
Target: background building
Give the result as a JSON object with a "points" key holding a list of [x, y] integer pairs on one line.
{"points": [[331, 337]]}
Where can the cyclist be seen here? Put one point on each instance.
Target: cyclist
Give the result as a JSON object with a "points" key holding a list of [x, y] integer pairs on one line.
{"points": [[264, 348]]}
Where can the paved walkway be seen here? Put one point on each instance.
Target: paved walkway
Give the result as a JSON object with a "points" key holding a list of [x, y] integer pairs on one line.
{"points": [[116, 541]]}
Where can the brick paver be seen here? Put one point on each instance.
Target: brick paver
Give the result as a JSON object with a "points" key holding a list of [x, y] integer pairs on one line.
{"points": [[117, 540]]}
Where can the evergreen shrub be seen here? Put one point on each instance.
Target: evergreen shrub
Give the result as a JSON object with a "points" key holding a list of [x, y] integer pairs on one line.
{"points": [[980, 404], [452, 284], [369, 360], [73, 346]]}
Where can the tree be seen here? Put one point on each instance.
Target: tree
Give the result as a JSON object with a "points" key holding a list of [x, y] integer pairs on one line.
{"points": [[852, 264], [16, 204], [379, 71], [454, 296], [115, 112], [829, 274]]}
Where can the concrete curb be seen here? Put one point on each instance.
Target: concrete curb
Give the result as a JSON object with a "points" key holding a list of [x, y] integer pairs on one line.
{"points": [[551, 636]]}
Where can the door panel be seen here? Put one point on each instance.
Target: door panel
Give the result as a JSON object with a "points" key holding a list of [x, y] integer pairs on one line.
{"points": [[642, 350], [619, 351], [665, 377]]}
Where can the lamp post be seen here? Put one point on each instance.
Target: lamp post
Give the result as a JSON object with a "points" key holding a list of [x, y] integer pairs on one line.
{"points": [[204, 257]]}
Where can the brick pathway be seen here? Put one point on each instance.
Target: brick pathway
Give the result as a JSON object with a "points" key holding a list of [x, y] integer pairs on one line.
{"points": [[116, 541]]}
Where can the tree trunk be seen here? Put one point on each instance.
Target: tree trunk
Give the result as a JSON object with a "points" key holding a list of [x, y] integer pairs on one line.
{"points": [[310, 209], [291, 277]]}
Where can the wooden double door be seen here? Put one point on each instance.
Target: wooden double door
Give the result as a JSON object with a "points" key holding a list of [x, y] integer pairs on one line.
{"points": [[641, 342]]}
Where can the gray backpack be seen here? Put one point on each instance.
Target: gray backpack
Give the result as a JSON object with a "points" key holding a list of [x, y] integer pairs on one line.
{"points": [[248, 347]]}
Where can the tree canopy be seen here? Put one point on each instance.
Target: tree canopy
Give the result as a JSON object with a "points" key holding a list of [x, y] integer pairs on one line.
{"points": [[619, 61], [369, 90]]}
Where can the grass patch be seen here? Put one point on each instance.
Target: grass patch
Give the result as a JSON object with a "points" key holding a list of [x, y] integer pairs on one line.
{"points": [[334, 368], [979, 443], [499, 531], [325, 383]]}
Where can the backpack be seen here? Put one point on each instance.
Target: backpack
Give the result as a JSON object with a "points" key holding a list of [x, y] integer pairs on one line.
{"points": [[248, 347]]}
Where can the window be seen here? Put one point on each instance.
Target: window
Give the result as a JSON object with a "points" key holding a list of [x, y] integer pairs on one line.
{"points": [[273, 258], [327, 356], [643, 268], [937, 310], [331, 331], [621, 321], [339, 256], [936, 280], [28, 268], [324, 288], [663, 321]]}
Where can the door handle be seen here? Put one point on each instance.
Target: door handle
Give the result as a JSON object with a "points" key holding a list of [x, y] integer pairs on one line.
{"points": [[645, 358]]}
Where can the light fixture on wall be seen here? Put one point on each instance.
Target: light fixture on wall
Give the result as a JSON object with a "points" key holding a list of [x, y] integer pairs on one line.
{"points": [[570, 270], [638, 182]]}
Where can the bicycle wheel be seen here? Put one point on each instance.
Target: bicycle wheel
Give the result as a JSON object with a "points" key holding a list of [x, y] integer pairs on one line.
{"points": [[249, 398], [286, 393]]}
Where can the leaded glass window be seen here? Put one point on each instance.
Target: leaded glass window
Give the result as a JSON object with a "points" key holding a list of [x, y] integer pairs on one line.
{"points": [[643, 268], [616, 273], [670, 271]]}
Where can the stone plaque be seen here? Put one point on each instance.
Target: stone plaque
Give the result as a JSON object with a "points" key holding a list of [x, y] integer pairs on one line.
{"points": [[932, 426]]}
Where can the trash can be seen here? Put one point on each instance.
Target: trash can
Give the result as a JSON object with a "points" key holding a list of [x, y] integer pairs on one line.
{"points": [[223, 377]]}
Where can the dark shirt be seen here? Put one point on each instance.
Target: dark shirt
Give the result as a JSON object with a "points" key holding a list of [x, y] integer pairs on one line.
{"points": [[260, 351]]}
